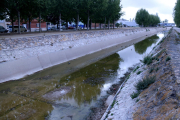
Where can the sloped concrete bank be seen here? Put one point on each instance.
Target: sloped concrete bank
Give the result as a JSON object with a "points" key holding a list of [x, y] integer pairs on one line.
{"points": [[40, 59], [160, 101]]}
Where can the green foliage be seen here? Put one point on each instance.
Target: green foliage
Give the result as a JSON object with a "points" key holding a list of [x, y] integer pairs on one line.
{"points": [[139, 72], [135, 94], [112, 105], [151, 70], [168, 58], [141, 85], [157, 69], [117, 25], [137, 100], [147, 60], [176, 13], [142, 46], [51, 10], [143, 18], [136, 69]]}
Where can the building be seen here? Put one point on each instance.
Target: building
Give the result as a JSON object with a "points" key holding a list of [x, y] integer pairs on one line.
{"points": [[34, 25], [167, 24], [127, 23]]}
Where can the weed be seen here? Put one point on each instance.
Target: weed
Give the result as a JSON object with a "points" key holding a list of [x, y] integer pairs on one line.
{"points": [[112, 105], [157, 59], [168, 58], [112, 114], [106, 115], [157, 69], [128, 76], [151, 70], [147, 60], [136, 69], [141, 85], [137, 100], [139, 72], [135, 95]]}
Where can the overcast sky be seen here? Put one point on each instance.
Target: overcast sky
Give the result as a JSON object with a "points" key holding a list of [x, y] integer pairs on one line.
{"points": [[164, 8]]}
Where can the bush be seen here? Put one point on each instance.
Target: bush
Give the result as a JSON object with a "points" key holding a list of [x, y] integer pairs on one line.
{"points": [[139, 72], [157, 69], [151, 70], [136, 69], [168, 58], [141, 85], [135, 95], [147, 60]]}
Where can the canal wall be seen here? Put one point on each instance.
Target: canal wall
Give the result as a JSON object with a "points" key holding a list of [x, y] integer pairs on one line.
{"points": [[27, 55]]}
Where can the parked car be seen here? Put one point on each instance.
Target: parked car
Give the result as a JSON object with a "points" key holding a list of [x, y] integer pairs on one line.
{"points": [[53, 28], [22, 29], [70, 27], [3, 30], [63, 27]]}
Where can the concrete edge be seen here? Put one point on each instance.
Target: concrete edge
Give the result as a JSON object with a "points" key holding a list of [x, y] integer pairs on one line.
{"points": [[17, 69]]}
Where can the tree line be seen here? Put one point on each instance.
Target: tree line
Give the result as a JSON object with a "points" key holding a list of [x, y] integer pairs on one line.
{"points": [[143, 18], [176, 13], [86, 11]]}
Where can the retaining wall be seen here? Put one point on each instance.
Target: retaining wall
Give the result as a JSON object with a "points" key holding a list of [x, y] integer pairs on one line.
{"points": [[15, 48], [46, 51]]}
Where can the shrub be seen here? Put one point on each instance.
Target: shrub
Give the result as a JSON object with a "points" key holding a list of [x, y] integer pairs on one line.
{"points": [[168, 58], [157, 69], [112, 105], [135, 95], [141, 85], [139, 72], [136, 69], [137, 100], [151, 70], [147, 60]]}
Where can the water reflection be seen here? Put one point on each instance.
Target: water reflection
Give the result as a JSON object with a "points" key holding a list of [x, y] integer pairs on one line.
{"points": [[133, 54], [142, 46], [88, 85], [48, 93]]}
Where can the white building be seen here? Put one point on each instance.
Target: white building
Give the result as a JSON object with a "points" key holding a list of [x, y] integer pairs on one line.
{"points": [[127, 23]]}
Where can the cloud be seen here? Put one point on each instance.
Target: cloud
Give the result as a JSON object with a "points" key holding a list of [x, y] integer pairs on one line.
{"points": [[164, 8], [139, 3]]}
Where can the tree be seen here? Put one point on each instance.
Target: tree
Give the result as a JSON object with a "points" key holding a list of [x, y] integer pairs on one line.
{"points": [[142, 17], [29, 11], [117, 25], [176, 13], [145, 19], [154, 20], [3, 12]]}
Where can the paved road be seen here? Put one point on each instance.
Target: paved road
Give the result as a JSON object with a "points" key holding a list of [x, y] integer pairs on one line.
{"points": [[173, 49]]}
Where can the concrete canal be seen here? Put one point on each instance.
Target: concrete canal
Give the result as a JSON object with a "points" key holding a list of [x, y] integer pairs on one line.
{"points": [[68, 91]]}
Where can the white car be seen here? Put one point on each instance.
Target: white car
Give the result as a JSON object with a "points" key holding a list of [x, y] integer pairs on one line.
{"points": [[22, 29], [3, 30]]}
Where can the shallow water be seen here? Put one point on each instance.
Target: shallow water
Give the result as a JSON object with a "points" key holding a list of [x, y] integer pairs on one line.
{"points": [[54, 95]]}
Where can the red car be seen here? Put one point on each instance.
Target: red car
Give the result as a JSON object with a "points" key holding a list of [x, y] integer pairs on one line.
{"points": [[70, 27]]}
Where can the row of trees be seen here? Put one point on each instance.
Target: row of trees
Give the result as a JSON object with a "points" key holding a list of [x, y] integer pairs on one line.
{"points": [[87, 11], [176, 13], [143, 18]]}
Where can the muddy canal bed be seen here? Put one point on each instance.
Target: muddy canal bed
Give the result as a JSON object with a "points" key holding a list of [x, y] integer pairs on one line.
{"points": [[56, 95]]}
